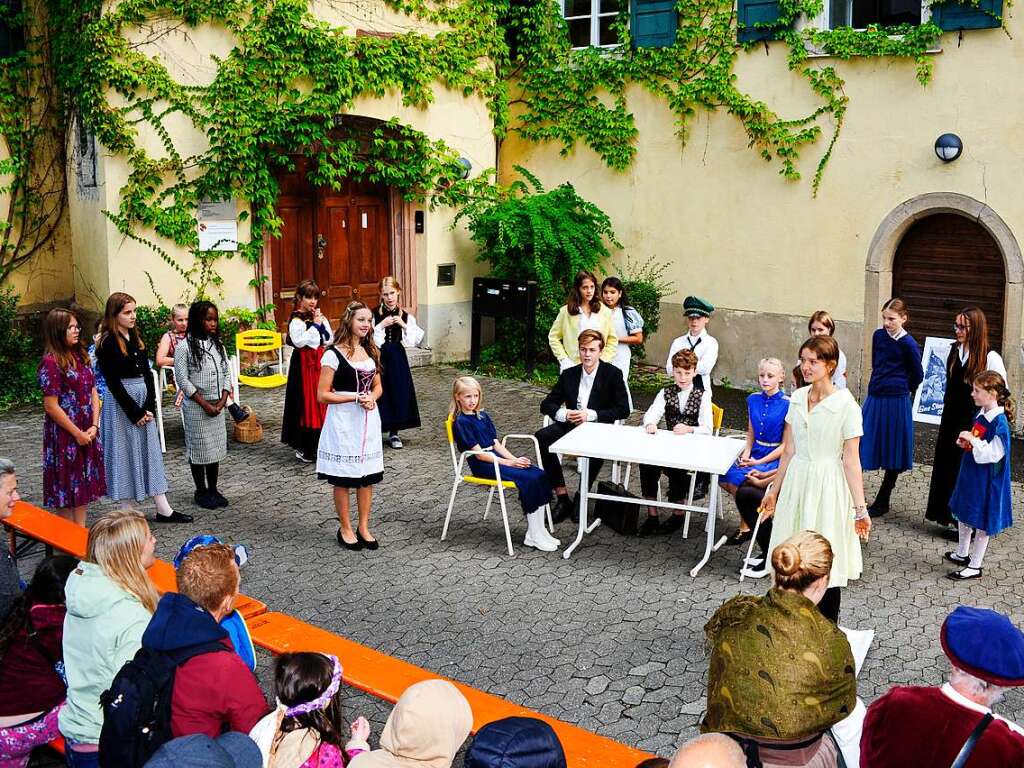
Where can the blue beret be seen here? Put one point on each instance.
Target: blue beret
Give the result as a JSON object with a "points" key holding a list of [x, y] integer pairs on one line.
{"points": [[524, 742], [694, 305], [986, 644]]}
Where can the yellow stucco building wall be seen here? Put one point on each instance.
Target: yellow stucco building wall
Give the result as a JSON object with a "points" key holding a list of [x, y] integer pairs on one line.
{"points": [[764, 250]]}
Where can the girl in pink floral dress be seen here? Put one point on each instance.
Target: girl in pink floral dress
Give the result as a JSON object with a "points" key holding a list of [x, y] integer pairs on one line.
{"points": [[72, 455]]}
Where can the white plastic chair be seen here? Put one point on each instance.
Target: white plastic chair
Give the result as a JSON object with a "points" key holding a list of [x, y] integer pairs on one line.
{"points": [[458, 461], [159, 382]]}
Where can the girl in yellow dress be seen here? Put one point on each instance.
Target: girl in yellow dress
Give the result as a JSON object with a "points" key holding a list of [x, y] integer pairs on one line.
{"points": [[819, 486]]}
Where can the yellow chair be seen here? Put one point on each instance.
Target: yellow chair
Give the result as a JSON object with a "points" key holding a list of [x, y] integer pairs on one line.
{"points": [[499, 485], [259, 341]]}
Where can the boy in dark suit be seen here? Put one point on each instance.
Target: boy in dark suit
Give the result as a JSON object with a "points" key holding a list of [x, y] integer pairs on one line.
{"points": [[591, 391]]}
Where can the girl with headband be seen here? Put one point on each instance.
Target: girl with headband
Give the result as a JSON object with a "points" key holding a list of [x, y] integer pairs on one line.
{"points": [[305, 731]]}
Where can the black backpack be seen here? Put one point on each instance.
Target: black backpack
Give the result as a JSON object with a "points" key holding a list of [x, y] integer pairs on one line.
{"points": [[137, 706]]}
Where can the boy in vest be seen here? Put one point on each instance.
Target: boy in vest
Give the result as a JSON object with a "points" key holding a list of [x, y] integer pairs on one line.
{"points": [[687, 410]]}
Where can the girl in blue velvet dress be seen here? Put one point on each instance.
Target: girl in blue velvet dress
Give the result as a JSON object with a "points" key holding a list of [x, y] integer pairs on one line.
{"points": [[981, 499], [896, 373], [473, 430]]}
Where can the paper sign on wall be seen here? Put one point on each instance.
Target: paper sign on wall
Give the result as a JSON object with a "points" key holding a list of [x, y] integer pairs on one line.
{"points": [[218, 235]]}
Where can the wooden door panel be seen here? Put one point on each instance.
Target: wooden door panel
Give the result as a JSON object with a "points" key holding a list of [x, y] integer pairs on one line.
{"points": [[370, 253], [291, 255], [944, 263]]}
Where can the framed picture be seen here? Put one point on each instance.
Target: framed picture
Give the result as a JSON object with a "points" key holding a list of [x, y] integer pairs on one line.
{"points": [[928, 398]]}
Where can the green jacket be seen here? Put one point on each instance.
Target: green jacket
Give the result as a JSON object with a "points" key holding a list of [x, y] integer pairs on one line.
{"points": [[102, 630]]}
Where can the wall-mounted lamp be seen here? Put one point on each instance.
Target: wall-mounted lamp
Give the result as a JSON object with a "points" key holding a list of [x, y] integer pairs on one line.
{"points": [[948, 147], [466, 166]]}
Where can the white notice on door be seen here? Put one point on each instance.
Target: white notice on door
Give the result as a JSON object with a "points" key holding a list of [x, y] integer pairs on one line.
{"points": [[364, 219], [218, 235]]}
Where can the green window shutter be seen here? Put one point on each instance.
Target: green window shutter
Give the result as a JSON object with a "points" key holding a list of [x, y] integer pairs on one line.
{"points": [[953, 16], [751, 12], [653, 23]]}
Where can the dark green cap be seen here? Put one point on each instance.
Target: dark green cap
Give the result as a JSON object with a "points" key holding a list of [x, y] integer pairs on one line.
{"points": [[694, 306]]}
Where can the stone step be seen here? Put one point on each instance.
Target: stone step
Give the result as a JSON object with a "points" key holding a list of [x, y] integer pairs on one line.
{"points": [[420, 357]]}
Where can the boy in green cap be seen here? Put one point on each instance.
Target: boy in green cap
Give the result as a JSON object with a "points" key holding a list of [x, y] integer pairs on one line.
{"points": [[698, 340]]}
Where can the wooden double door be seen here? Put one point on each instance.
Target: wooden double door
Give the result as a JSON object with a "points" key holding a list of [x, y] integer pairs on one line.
{"points": [[946, 262], [339, 238]]}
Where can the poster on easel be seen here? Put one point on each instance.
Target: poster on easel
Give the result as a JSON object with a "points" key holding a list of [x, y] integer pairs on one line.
{"points": [[928, 398]]}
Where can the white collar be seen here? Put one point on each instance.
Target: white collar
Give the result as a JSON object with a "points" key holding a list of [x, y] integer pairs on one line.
{"points": [[954, 695], [682, 391], [584, 374], [700, 335], [898, 336], [991, 413]]}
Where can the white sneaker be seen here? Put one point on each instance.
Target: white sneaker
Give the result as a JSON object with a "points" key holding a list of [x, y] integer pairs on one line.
{"points": [[545, 535], [396, 441], [543, 546]]}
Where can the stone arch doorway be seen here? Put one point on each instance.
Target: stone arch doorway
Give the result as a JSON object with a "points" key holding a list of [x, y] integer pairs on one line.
{"points": [[926, 248]]}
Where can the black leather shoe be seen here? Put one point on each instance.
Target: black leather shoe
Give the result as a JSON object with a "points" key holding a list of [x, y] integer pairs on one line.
{"points": [[649, 526], [370, 544], [563, 510], [740, 537], [174, 517], [671, 525], [954, 558], [959, 575], [218, 499], [355, 546], [206, 500], [878, 509]]}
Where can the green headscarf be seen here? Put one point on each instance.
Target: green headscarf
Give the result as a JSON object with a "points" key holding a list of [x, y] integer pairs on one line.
{"points": [[779, 669]]}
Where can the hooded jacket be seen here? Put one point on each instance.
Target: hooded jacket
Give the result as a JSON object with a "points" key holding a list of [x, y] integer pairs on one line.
{"points": [[213, 692], [102, 630], [516, 742], [28, 678], [426, 728]]}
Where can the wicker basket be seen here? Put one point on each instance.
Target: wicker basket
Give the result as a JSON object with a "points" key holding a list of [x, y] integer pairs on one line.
{"points": [[250, 430]]}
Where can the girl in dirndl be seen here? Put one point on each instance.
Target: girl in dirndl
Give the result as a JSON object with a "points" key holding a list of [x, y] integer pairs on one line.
{"points": [[132, 460], [394, 329], [896, 373], [351, 454], [204, 379], [308, 332]]}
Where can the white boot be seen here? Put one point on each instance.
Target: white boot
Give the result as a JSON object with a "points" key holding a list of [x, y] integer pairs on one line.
{"points": [[544, 530], [535, 533]]}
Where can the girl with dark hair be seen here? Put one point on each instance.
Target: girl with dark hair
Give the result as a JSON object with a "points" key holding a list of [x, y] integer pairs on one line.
{"points": [[968, 357], [73, 474], [896, 373], [203, 377], [133, 462], [583, 311], [819, 486], [306, 730], [351, 453], [32, 684], [308, 332], [627, 324]]}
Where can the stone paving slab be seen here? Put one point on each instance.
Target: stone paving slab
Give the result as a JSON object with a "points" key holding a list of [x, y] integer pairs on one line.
{"points": [[611, 640]]}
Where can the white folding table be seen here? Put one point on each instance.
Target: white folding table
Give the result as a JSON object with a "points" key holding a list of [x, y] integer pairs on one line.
{"points": [[614, 442]]}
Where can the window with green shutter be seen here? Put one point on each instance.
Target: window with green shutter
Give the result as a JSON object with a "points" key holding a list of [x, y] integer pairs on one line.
{"points": [[653, 23], [751, 12], [953, 16]]}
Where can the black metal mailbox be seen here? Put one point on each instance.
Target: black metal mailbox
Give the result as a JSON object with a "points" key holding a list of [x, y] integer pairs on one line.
{"points": [[497, 297]]}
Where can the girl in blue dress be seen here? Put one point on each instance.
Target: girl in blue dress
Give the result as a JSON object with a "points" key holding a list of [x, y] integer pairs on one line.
{"points": [[474, 431], [766, 422], [981, 499], [896, 373]]}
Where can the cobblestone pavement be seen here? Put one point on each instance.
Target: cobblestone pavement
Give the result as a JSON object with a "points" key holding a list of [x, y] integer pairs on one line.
{"points": [[611, 640]]}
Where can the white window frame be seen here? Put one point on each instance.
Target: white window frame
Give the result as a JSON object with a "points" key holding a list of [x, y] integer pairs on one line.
{"points": [[595, 24], [823, 20]]}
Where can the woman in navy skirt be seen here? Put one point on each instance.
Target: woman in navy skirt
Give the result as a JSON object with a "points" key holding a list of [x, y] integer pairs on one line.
{"points": [[474, 431], [394, 330], [896, 373]]}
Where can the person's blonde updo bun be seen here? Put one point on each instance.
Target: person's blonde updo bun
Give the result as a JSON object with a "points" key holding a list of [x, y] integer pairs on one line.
{"points": [[801, 560]]}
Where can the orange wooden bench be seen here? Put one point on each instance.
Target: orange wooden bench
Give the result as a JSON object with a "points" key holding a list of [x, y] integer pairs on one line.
{"points": [[386, 677], [57, 533]]}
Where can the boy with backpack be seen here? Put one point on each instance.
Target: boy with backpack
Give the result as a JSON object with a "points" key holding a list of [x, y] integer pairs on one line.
{"points": [[186, 679]]}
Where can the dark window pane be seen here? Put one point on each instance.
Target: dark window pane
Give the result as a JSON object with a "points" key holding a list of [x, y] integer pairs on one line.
{"points": [[579, 33], [885, 12], [577, 8], [606, 35], [612, 6], [837, 14]]}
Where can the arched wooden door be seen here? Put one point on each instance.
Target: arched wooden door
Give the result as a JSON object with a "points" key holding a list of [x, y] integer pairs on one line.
{"points": [[946, 262], [340, 238]]}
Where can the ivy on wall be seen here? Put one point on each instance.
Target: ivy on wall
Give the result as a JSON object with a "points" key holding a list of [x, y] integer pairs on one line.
{"points": [[278, 91]]}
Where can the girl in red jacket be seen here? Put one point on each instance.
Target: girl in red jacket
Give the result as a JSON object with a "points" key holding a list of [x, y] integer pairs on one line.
{"points": [[32, 684]]}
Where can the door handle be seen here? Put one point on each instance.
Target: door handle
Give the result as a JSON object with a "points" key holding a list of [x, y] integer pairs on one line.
{"points": [[321, 244]]}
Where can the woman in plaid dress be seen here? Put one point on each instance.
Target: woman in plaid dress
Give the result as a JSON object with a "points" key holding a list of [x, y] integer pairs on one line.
{"points": [[202, 375]]}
